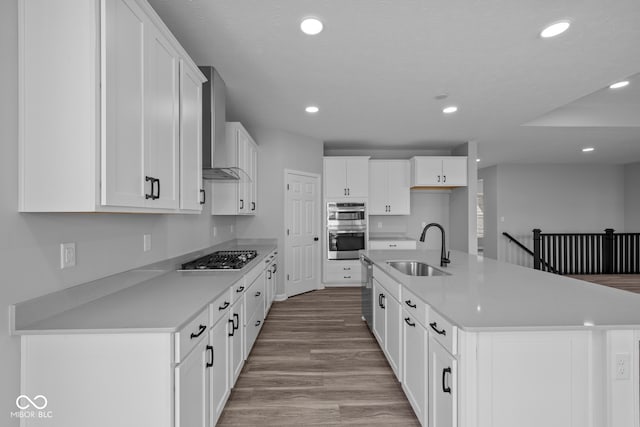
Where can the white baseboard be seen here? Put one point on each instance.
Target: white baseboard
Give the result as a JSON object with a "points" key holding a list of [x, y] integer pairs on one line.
{"points": [[342, 285], [280, 297]]}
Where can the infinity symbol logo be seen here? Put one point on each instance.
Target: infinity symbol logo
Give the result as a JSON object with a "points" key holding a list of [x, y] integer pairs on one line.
{"points": [[30, 402]]}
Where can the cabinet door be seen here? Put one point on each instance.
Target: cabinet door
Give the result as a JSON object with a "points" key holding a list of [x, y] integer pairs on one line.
{"points": [[427, 171], [379, 314], [122, 97], [378, 182], [454, 171], [442, 386], [253, 185], [358, 177], [335, 177], [244, 188], [393, 335], [161, 106], [219, 372], [398, 199], [236, 342], [192, 406], [414, 366], [190, 139]]}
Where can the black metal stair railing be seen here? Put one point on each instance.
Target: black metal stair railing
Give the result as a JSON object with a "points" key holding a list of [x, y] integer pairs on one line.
{"points": [[587, 253], [542, 262]]}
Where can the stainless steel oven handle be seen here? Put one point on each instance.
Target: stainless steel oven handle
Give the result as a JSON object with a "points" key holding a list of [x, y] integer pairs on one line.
{"points": [[346, 231]]}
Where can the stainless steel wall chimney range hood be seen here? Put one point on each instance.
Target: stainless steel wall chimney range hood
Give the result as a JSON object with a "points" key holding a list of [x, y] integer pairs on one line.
{"points": [[214, 148]]}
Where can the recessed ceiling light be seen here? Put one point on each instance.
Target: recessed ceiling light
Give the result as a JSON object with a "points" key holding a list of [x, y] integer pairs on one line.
{"points": [[477, 160], [311, 26], [587, 149], [449, 110], [555, 29], [312, 109], [618, 85]]}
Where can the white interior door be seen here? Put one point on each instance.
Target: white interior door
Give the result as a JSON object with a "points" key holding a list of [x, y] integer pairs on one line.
{"points": [[302, 232]]}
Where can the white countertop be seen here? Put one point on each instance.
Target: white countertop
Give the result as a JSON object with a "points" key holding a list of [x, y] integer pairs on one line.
{"points": [[160, 304], [483, 294]]}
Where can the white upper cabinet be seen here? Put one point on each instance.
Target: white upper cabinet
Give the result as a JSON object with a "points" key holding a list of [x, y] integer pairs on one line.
{"points": [[428, 171], [238, 197], [102, 131], [346, 177], [389, 187], [192, 193]]}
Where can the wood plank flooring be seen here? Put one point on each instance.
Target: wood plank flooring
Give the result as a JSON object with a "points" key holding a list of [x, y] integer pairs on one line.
{"points": [[627, 282], [316, 363]]}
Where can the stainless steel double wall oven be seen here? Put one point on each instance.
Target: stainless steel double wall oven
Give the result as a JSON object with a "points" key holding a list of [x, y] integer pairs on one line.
{"points": [[346, 230]]}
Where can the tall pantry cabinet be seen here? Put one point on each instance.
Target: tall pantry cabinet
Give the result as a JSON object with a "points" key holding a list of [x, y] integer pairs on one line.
{"points": [[100, 109]]}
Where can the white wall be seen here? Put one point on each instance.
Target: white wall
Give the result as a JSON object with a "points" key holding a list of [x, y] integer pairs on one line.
{"points": [[464, 201], [278, 150], [632, 198], [554, 198], [490, 191], [29, 243]]}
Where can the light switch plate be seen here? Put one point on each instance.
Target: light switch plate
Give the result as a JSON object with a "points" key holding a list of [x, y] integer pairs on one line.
{"points": [[147, 242], [67, 255]]}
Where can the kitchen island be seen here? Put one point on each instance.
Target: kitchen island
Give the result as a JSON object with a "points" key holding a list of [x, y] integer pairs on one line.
{"points": [[503, 345]]}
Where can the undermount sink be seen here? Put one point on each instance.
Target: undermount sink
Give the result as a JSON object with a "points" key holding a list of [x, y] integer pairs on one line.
{"points": [[416, 268]]}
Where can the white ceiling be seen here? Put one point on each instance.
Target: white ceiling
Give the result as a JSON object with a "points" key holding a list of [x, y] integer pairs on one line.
{"points": [[376, 68]]}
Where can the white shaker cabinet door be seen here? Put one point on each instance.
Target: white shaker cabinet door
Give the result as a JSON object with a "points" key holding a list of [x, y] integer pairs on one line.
{"points": [[379, 315], [414, 366], [442, 390], [393, 335], [219, 372], [192, 407], [123, 145], [335, 177], [162, 120], [378, 184], [358, 177], [454, 171], [191, 190], [398, 177]]}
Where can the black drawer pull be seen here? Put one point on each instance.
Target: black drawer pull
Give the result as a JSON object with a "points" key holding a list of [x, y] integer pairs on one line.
{"points": [[258, 323], [241, 204], [147, 179], [240, 289], [204, 196], [408, 302], [201, 330], [406, 319], [232, 333], [236, 325], [258, 293], [445, 389], [434, 326], [346, 277], [223, 306], [210, 362]]}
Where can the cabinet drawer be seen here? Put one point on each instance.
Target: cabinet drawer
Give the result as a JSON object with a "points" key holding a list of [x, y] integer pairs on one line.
{"points": [[390, 285], [392, 244], [341, 267], [254, 299], [253, 274], [253, 327], [187, 337], [343, 277], [414, 306], [220, 307], [237, 290], [443, 331]]}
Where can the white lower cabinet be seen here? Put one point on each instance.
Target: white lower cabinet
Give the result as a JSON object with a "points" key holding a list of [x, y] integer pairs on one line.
{"points": [[236, 339], [443, 387], [219, 386], [414, 371], [192, 384]]}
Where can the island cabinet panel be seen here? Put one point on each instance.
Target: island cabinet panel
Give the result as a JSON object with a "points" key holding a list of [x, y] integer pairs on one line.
{"points": [[414, 366], [87, 379], [533, 379], [443, 386]]}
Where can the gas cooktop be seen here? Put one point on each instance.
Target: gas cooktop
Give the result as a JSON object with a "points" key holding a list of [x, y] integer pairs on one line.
{"points": [[221, 260]]}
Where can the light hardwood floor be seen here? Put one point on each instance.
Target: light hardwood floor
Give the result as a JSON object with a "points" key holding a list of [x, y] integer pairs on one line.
{"points": [[627, 282], [316, 363]]}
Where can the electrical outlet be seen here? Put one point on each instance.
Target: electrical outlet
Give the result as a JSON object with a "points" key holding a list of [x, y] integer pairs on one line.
{"points": [[215, 231], [622, 366], [379, 225], [147, 242], [231, 228], [67, 255]]}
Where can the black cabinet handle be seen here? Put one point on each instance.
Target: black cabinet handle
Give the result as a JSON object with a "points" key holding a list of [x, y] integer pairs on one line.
{"points": [[393, 246], [241, 204], [434, 326], [345, 191], [236, 316], [269, 271], [232, 333], [444, 178], [438, 178], [210, 362], [223, 306], [382, 298], [347, 277], [258, 323], [258, 293], [315, 239], [201, 330], [348, 191], [408, 302], [445, 389], [406, 319], [275, 268], [253, 206], [158, 181], [147, 179], [204, 196], [240, 289]]}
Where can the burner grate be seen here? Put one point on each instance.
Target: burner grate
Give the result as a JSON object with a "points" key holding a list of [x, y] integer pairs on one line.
{"points": [[222, 260]]}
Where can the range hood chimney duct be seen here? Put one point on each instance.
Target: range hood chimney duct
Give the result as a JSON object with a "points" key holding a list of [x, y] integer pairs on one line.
{"points": [[214, 148]]}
